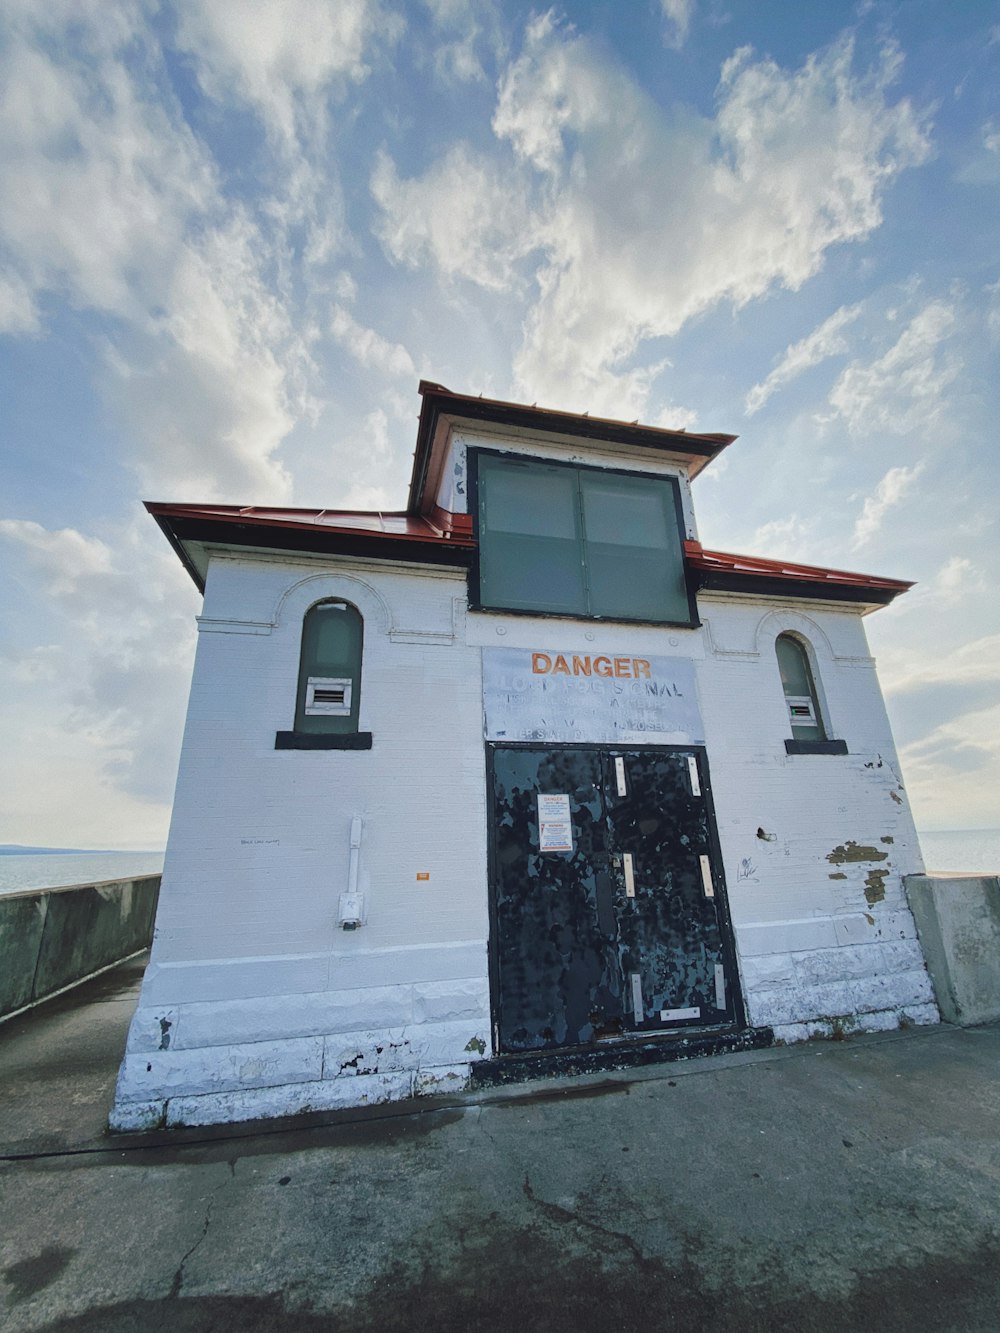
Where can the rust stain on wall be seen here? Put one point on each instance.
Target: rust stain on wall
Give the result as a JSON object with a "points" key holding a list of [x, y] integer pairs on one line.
{"points": [[853, 851]]}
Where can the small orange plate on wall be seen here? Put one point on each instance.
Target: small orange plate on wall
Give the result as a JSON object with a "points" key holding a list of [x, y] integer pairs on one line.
{"points": [[423, 874]]}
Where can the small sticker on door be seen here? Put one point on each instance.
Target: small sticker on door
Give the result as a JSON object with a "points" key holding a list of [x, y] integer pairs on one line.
{"points": [[620, 774], [629, 875], [693, 773], [555, 829]]}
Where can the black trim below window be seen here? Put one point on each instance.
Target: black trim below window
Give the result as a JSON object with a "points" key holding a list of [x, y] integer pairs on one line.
{"points": [[815, 747], [345, 740]]}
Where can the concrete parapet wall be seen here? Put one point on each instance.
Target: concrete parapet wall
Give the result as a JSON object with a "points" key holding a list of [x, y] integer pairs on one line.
{"points": [[958, 920], [53, 938]]}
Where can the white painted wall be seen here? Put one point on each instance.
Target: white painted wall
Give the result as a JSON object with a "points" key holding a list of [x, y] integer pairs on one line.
{"points": [[824, 944], [255, 1002]]}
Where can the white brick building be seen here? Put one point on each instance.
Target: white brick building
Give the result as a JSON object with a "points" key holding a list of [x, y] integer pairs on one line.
{"points": [[515, 778]]}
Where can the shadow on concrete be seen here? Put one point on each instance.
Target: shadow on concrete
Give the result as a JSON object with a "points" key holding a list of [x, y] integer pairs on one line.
{"points": [[829, 1186]]}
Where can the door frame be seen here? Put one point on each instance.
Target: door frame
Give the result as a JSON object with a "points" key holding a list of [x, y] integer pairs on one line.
{"points": [[726, 931]]}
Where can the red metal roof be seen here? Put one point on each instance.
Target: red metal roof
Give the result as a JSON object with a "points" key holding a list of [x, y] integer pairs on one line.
{"points": [[753, 566], [419, 537], [567, 422], [436, 527]]}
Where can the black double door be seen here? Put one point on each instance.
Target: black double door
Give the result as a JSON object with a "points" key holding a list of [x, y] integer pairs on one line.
{"points": [[609, 916]]}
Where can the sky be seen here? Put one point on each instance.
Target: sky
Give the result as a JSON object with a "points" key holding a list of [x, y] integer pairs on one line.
{"points": [[235, 234]]}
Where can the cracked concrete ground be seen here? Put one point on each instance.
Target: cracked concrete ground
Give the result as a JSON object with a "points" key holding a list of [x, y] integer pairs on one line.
{"points": [[831, 1186]]}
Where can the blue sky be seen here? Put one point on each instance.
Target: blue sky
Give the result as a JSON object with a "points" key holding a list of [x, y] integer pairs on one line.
{"points": [[234, 235]]}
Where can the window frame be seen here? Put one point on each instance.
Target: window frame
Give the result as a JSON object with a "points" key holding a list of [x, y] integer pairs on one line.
{"points": [[475, 582], [824, 744], [336, 737]]}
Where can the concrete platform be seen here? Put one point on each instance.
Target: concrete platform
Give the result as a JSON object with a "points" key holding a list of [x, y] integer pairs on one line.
{"points": [[830, 1186]]}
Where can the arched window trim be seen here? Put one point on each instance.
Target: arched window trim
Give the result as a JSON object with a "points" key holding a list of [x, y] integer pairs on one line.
{"points": [[328, 689], [817, 718]]}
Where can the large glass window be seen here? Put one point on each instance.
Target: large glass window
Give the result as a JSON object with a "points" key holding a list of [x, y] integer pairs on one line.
{"points": [[579, 541], [329, 694]]}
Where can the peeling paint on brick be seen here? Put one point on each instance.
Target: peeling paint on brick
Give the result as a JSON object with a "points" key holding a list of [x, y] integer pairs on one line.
{"points": [[875, 886], [853, 851]]}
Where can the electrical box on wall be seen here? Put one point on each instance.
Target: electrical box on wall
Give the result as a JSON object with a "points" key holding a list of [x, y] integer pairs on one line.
{"points": [[352, 903], [351, 914]]}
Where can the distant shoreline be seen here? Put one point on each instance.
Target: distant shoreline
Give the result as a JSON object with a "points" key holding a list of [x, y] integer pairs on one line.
{"points": [[12, 849]]}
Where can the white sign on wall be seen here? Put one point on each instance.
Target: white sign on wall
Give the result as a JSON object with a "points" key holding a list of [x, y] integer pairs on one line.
{"points": [[544, 695]]}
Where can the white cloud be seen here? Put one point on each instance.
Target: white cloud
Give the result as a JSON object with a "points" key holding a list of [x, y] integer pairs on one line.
{"points": [[99, 703], [784, 539], [279, 58], [464, 215], [890, 491], [993, 309], [464, 28], [559, 86], [953, 772], [100, 179], [973, 663], [212, 394], [62, 557], [369, 347], [903, 390], [678, 15], [373, 451], [110, 201], [291, 62], [824, 341], [18, 313], [956, 577], [345, 287], [641, 219]]}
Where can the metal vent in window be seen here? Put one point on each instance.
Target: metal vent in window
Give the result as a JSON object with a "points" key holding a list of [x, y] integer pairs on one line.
{"points": [[800, 710], [328, 697]]}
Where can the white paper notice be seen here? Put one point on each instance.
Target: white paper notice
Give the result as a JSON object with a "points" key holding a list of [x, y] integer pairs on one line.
{"points": [[555, 831]]}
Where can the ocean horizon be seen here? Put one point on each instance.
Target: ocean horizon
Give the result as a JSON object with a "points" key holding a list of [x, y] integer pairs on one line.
{"points": [[56, 870]]}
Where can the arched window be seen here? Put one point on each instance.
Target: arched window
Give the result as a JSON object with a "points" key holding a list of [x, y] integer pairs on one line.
{"points": [[329, 694], [800, 689], [328, 700]]}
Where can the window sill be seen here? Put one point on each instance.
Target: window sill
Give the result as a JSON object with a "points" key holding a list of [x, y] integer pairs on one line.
{"points": [[815, 747], [334, 740]]}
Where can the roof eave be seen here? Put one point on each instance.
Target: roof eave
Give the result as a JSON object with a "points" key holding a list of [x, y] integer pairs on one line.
{"points": [[871, 596], [185, 527], [441, 404]]}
